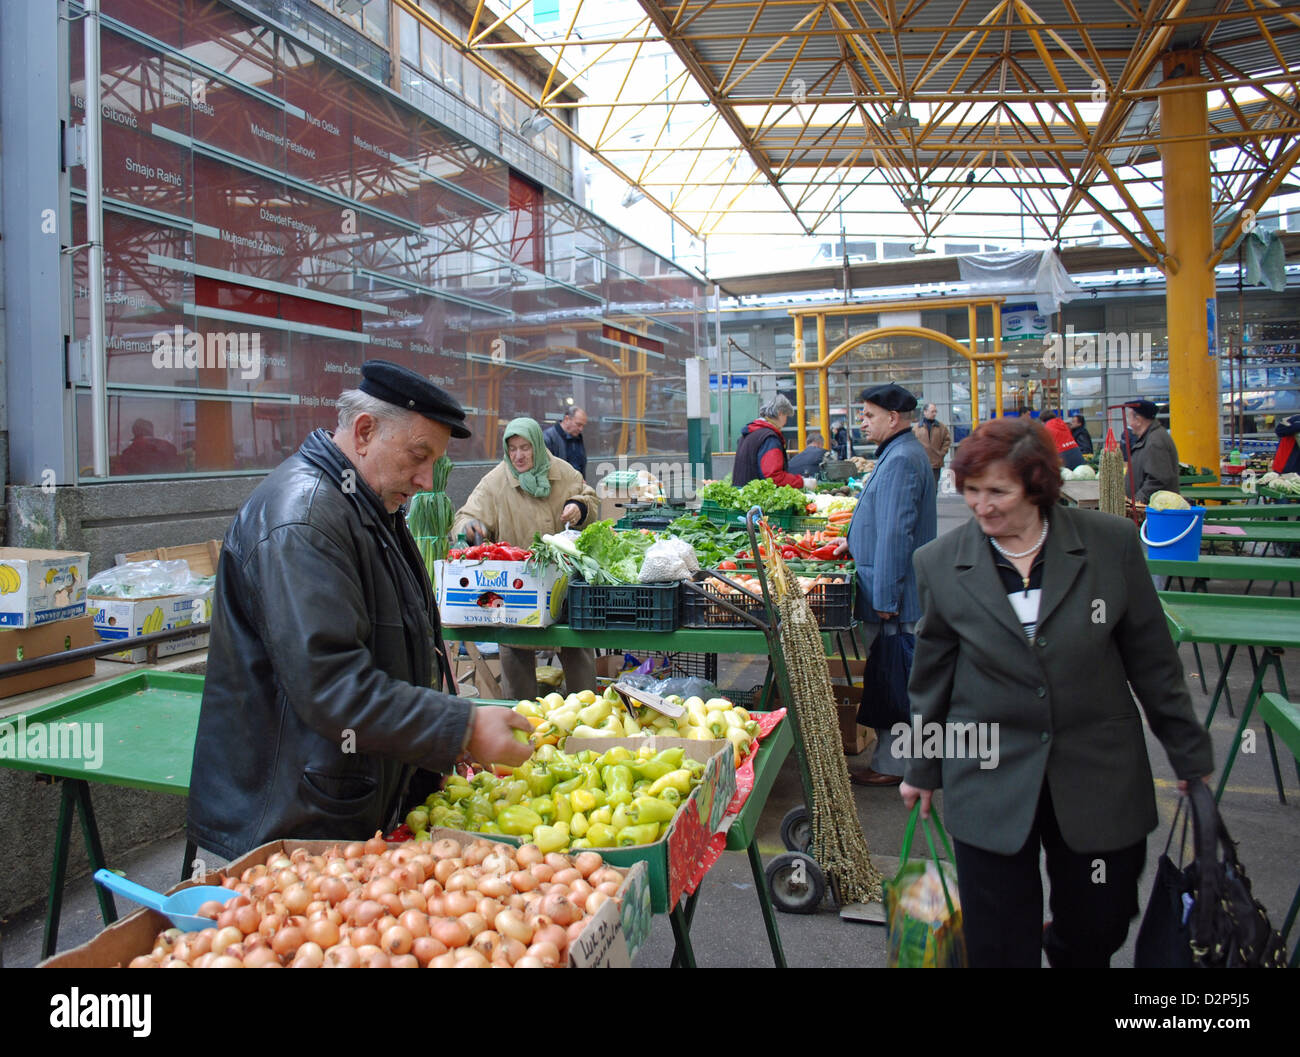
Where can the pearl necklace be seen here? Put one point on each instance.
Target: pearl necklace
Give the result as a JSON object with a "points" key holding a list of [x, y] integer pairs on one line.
{"points": [[1022, 554]]}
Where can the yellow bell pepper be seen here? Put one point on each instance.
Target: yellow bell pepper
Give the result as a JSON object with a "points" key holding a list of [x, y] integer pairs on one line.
{"points": [[600, 835], [578, 825], [679, 780]]}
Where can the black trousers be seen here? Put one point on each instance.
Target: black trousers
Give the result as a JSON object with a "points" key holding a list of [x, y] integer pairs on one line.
{"points": [[1093, 899]]}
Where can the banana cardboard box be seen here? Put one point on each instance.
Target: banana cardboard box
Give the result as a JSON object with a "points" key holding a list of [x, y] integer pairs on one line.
{"points": [[489, 592], [120, 618], [38, 586]]}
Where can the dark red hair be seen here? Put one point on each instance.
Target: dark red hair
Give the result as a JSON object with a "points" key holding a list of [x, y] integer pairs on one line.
{"points": [[1027, 449]]}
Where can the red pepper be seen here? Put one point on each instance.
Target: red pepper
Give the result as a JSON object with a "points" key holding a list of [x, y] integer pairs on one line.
{"points": [[826, 552], [400, 834], [455, 553], [789, 552], [727, 565]]}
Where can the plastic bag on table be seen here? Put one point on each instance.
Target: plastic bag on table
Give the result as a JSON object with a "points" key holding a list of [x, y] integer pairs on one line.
{"points": [[145, 579], [922, 906], [669, 559]]}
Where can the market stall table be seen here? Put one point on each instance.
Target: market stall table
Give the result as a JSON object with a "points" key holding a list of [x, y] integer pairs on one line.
{"points": [[1252, 511], [1218, 493], [1248, 531], [148, 721], [1268, 624], [741, 836], [742, 641]]}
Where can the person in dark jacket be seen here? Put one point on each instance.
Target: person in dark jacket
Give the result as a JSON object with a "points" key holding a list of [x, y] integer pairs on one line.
{"points": [[1081, 435], [326, 669], [564, 439], [761, 450], [1008, 644], [1153, 456]]}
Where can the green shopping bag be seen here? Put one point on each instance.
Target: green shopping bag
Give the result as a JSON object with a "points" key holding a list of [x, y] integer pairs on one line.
{"points": [[922, 905]]}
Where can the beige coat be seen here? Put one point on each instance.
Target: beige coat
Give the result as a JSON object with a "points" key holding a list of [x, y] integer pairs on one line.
{"points": [[936, 442], [513, 516]]}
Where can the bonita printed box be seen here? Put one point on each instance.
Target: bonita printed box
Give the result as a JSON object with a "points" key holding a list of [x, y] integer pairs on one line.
{"points": [[498, 593]]}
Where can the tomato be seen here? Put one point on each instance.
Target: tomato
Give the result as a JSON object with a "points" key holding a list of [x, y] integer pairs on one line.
{"points": [[728, 565]]}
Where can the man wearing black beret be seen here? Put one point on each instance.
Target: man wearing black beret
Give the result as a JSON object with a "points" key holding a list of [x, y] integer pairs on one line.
{"points": [[894, 516], [327, 683], [1154, 457]]}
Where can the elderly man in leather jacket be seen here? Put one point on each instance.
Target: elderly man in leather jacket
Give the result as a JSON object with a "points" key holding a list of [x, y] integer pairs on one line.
{"points": [[326, 670]]}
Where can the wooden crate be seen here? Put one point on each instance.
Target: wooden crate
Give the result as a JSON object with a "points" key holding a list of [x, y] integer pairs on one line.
{"points": [[202, 557]]}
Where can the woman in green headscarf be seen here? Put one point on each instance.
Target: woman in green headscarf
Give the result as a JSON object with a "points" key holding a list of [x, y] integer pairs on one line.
{"points": [[528, 492]]}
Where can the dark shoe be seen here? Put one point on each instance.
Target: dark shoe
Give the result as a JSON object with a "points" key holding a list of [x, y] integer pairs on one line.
{"points": [[870, 777]]}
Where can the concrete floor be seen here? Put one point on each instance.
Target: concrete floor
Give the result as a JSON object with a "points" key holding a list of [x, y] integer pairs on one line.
{"points": [[728, 930]]}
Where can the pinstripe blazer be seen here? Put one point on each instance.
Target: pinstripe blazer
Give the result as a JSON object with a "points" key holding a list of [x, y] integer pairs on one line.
{"points": [[895, 515]]}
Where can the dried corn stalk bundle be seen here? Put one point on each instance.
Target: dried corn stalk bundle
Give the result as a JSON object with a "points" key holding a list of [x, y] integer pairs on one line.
{"points": [[1110, 476], [838, 844]]}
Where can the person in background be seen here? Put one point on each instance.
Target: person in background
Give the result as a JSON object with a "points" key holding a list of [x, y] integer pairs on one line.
{"points": [[841, 441], [147, 453], [1066, 446], [895, 515], [1080, 432], [935, 438], [761, 450], [809, 460], [1153, 456], [1007, 642], [529, 492], [564, 439], [1287, 457]]}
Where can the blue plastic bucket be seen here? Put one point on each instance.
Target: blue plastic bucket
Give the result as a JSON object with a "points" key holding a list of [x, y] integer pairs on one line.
{"points": [[1174, 535]]}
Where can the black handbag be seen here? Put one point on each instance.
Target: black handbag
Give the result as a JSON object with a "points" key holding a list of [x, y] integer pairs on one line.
{"points": [[1204, 914], [884, 681]]}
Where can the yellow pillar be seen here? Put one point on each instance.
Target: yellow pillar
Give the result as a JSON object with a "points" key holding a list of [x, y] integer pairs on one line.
{"points": [[823, 376], [800, 385], [824, 395], [1189, 283], [997, 364]]}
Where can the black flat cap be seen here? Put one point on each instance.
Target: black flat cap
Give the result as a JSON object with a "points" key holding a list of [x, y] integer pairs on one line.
{"points": [[1145, 408], [889, 396], [399, 385]]}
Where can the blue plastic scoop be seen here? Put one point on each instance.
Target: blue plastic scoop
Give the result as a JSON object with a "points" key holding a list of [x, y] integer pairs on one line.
{"points": [[180, 908]]}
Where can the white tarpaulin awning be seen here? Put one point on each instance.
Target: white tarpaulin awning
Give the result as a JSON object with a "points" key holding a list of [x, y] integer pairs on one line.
{"points": [[1030, 273]]}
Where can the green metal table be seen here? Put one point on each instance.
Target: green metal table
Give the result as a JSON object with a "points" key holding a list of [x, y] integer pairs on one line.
{"points": [[1252, 511], [145, 723], [1219, 493], [1270, 625], [1270, 533], [684, 640], [1197, 478], [1229, 567]]}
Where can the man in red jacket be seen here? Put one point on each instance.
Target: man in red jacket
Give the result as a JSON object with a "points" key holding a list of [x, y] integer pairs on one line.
{"points": [[761, 450]]}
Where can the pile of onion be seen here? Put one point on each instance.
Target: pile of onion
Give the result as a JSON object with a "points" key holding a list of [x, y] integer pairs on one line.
{"points": [[365, 905]]}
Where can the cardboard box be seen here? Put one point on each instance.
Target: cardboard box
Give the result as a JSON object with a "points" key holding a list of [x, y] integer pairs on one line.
{"points": [[121, 618], [25, 644], [847, 686], [38, 586], [471, 593], [609, 939], [202, 558], [674, 857], [856, 738]]}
